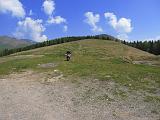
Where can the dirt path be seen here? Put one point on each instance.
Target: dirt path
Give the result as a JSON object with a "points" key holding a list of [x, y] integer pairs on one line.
{"points": [[25, 97]]}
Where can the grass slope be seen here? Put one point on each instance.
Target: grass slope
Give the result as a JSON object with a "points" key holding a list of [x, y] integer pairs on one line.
{"points": [[101, 59]]}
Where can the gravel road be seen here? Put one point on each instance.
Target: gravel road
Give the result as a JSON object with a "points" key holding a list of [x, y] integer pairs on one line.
{"points": [[25, 96]]}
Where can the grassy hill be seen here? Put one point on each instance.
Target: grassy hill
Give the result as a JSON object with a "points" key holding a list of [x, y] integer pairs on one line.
{"points": [[9, 42], [101, 73], [93, 58]]}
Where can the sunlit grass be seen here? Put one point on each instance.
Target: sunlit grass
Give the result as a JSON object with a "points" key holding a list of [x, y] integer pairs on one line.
{"points": [[90, 58]]}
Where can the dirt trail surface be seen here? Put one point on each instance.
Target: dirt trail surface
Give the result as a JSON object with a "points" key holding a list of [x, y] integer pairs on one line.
{"points": [[29, 96]]}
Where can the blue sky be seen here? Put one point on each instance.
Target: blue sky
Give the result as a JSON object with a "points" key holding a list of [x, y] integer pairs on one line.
{"points": [[126, 19]]}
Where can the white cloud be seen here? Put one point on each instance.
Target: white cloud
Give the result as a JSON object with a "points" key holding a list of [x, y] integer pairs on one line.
{"points": [[56, 20], [122, 36], [112, 19], [15, 7], [30, 29], [157, 38], [150, 39], [122, 26], [48, 7], [92, 20], [65, 28], [30, 13]]}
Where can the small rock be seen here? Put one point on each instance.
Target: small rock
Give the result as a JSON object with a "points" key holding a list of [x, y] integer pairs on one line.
{"points": [[47, 65], [108, 76]]}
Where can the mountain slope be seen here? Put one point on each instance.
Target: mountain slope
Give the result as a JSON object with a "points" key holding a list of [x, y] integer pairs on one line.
{"points": [[9, 42], [101, 81], [90, 57]]}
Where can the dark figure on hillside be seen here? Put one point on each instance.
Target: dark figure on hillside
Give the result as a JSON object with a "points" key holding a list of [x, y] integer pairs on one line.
{"points": [[68, 55]]}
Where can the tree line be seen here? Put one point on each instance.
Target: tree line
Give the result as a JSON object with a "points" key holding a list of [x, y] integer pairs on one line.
{"points": [[148, 46], [6, 52]]}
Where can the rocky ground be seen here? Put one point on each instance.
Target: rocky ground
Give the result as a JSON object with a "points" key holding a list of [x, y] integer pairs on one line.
{"points": [[49, 96]]}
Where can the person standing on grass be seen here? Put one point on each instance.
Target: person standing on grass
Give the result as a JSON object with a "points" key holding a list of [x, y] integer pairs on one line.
{"points": [[68, 55]]}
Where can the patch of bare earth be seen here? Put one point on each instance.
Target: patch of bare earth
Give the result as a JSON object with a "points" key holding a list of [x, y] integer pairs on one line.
{"points": [[5, 59], [47, 65], [49, 96], [150, 63]]}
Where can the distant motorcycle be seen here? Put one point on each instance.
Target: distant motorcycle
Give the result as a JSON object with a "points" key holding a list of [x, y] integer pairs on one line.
{"points": [[68, 55]]}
